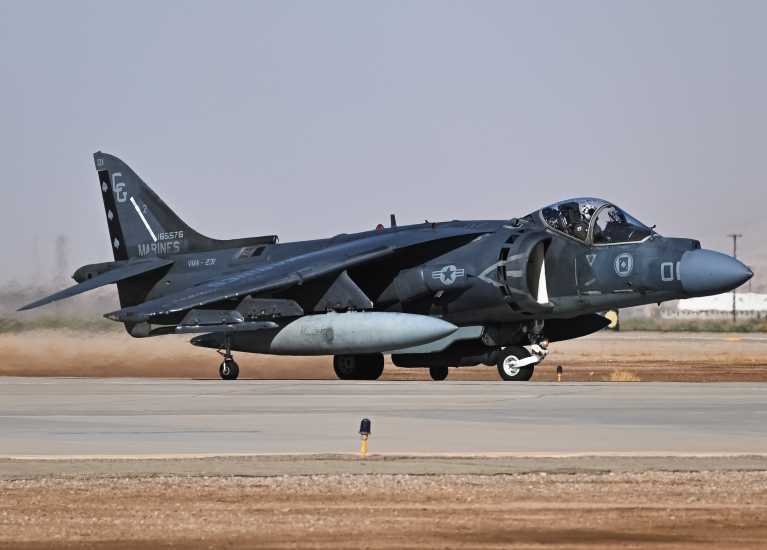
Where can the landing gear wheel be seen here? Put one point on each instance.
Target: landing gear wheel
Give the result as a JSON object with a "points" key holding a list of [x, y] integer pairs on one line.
{"points": [[438, 373], [229, 370], [345, 366], [507, 365], [358, 367], [374, 366]]}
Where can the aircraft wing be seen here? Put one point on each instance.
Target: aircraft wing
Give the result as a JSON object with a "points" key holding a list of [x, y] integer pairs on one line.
{"points": [[284, 273], [112, 276]]}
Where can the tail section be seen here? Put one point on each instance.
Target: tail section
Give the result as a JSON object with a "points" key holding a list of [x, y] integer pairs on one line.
{"points": [[141, 224]]}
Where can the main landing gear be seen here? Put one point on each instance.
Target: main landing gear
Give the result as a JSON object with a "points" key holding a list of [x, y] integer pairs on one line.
{"points": [[438, 373], [359, 367], [229, 370]]}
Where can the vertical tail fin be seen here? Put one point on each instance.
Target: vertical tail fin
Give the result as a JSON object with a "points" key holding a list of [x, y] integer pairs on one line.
{"points": [[141, 224]]}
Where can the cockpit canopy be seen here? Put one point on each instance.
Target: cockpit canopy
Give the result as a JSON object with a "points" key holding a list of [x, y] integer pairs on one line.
{"points": [[594, 221]]}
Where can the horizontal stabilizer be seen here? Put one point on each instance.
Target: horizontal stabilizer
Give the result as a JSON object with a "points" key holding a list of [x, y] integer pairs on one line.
{"points": [[113, 276]]}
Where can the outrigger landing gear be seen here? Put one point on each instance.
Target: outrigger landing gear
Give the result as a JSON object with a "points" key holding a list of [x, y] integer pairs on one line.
{"points": [[229, 370]]}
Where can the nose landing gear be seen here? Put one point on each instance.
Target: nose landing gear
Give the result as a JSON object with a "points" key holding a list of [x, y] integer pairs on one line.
{"points": [[229, 370], [516, 364]]}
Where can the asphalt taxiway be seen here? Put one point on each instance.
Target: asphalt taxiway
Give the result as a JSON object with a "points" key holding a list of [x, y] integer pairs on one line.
{"points": [[60, 417]]}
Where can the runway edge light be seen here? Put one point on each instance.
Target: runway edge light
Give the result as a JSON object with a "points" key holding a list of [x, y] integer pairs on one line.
{"points": [[364, 432], [559, 373]]}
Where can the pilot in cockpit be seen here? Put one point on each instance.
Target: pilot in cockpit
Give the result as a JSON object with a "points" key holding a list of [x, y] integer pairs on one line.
{"points": [[609, 223], [575, 223], [587, 210]]}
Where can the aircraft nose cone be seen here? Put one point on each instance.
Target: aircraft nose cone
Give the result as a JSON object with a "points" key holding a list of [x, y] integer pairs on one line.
{"points": [[705, 272]]}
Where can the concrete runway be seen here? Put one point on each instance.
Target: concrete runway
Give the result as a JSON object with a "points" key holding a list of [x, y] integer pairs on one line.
{"points": [[49, 417]]}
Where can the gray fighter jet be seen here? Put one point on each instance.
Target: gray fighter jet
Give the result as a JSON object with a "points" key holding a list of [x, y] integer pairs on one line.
{"points": [[433, 295]]}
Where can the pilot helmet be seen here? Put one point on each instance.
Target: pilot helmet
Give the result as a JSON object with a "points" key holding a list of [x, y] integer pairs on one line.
{"points": [[587, 210]]}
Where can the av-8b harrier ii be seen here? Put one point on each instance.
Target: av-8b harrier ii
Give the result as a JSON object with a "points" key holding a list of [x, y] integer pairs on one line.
{"points": [[433, 295]]}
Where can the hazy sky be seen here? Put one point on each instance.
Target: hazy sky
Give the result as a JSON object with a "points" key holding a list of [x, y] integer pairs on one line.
{"points": [[308, 119]]}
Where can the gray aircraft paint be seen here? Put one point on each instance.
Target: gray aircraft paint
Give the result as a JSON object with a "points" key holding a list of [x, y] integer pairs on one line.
{"points": [[551, 269]]}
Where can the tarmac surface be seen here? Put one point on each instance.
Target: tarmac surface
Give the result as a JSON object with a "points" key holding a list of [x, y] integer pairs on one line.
{"points": [[156, 418], [197, 464]]}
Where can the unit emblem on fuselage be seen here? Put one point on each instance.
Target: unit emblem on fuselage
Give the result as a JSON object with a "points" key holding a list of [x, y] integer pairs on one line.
{"points": [[624, 264]]}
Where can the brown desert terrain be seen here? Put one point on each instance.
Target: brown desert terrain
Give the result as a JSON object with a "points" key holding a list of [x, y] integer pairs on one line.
{"points": [[653, 357], [668, 510]]}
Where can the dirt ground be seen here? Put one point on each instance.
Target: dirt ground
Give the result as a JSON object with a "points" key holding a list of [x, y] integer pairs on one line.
{"points": [[653, 357], [668, 510]]}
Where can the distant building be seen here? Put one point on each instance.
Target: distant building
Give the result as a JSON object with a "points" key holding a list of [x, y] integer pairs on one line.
{"points": [[748, 304]]}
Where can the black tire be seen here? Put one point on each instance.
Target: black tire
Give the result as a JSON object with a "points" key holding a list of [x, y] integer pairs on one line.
{"points": [[506, 365], [229, 370], [374, 366], [358, 367], [346, 366], [438, 373]]}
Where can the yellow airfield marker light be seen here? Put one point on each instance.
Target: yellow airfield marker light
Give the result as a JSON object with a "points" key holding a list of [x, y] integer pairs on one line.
{"points": [[364, 432], [559, 373]]}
